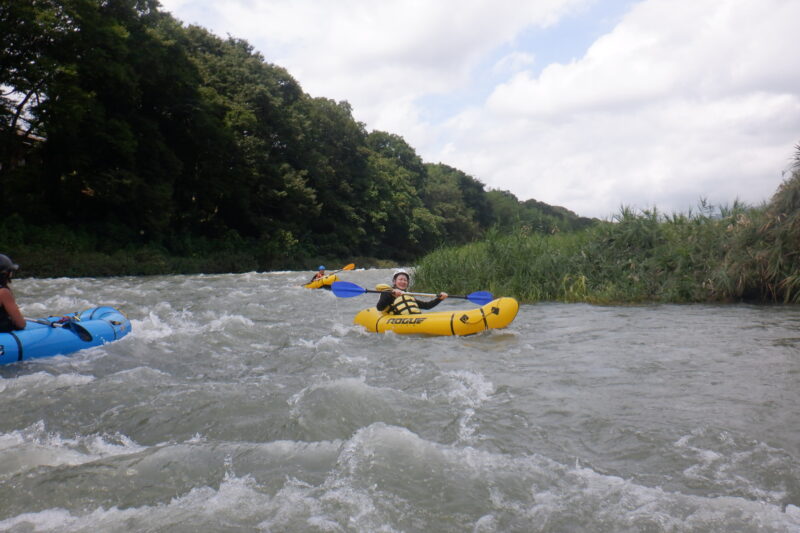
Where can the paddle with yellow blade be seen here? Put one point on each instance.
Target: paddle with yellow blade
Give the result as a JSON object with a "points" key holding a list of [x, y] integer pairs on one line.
{"points": [[345, 289], [351, 266]]}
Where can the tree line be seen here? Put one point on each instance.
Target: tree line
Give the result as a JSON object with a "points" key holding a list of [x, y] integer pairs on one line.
{"points": [[123, 129]]}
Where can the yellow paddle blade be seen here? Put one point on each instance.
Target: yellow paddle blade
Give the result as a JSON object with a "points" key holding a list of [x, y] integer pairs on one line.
{"points": [[383, 287], [351, 266]]}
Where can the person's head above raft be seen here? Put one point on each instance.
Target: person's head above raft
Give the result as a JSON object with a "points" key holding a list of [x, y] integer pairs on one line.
{"points": [[7, 268], [401, 279]]}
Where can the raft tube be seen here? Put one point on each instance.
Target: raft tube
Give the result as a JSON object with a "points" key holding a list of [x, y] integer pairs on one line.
{"points": [[497, 314], [322, 283], [85, 329]]}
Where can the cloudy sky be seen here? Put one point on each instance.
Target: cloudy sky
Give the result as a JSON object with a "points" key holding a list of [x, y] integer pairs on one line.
{"points": [[586, 104]]}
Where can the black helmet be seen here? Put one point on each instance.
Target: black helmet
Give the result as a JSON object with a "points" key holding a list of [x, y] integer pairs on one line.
{"points": [[6, 264]]}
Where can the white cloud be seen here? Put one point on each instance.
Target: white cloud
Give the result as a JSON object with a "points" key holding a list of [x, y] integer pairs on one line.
{"points": [[682, 99], [361, 50], [514, 63]]}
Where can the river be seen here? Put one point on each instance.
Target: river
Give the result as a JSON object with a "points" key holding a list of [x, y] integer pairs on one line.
{"points": [[243, 402]]}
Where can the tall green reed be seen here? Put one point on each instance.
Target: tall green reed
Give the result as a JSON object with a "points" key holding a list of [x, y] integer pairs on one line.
{"points": [[717, 253]]}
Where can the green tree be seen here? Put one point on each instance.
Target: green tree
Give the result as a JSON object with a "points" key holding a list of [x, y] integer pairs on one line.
{"points": [[407, 226], [263, 193]]}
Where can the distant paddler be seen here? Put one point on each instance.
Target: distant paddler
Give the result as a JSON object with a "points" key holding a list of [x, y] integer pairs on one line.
{"points": [[323, 280], [319, 274]]}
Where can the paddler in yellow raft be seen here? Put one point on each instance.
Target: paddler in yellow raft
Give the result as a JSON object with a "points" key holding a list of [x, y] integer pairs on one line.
{"points": [[397, 302], [400, 312], [319, 280], [319, 274]]}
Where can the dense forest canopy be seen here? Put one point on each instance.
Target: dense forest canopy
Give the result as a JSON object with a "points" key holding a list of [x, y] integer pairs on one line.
{"points": [[124, 128]]}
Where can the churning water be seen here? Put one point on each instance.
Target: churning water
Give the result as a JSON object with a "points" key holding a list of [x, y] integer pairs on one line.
{"points": [[246, 403]]}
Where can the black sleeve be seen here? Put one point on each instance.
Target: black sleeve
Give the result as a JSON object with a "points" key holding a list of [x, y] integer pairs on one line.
{"points": [[384, 301], [429, 304]]}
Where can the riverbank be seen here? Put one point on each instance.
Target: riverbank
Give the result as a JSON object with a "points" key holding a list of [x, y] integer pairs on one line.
{"points": [[51, 261], [736, 254], [716, 254]]}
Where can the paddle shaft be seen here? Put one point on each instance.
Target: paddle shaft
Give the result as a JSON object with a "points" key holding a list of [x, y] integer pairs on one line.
{"points": [[42, 322], [345, 289], [418, 293], [79, 330]]}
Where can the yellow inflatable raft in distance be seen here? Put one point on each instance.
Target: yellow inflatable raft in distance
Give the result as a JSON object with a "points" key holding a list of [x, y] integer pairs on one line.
{"points": [[325, 281], [497, 314]]}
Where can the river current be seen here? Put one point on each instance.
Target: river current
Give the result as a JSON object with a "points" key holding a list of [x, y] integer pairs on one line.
{"points": [[244, 402]]}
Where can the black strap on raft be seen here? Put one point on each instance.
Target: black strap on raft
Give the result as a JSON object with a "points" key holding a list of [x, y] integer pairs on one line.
{"points": [[82, 333], [19, 345]]}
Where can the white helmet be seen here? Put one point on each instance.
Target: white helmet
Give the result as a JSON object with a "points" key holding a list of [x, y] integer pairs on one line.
{"points": [[401, 271]]}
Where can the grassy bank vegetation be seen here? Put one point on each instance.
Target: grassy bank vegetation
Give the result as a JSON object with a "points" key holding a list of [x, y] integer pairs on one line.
{"points": [[716, 254]]}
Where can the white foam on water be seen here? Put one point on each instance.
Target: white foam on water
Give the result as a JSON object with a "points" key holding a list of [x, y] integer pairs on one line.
{"points": [[737, 466], [326, 341], [622, 505], [106, 447], [217, 322], [348, 386], [341, 406], [47, 520], [486, 524], [380, 466], [467, 388], [358, 360], [236, 498], [467, 430], [469, 391], [162, 321], [361, 331], [237, 504], [41, 383], [388, 479], [141, 374], [72, 290], [345, 501], [56, 305], [238, 294], [341, 329], [32, 447], [151, 328], [557, 496]]}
